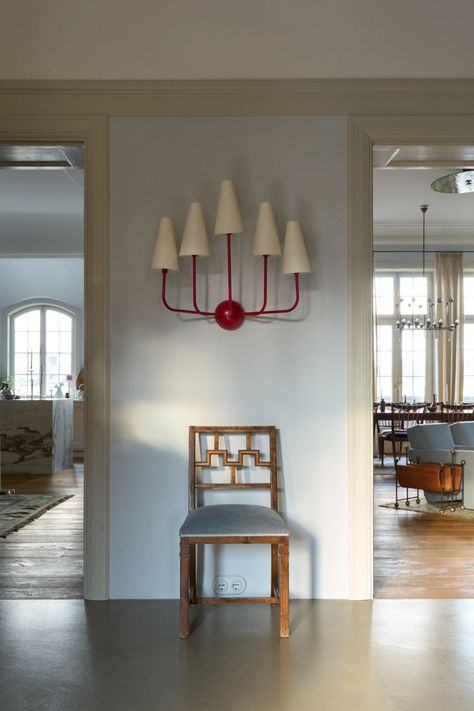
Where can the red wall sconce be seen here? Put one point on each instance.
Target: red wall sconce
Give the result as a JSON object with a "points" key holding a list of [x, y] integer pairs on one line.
{"points": [[229, 314]]}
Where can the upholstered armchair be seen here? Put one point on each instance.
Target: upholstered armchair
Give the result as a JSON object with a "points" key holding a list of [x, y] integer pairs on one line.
{"points": [[435, 442]]}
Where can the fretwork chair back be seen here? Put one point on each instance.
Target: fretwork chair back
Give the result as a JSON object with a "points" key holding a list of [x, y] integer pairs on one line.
{"points": [[232, 523]]}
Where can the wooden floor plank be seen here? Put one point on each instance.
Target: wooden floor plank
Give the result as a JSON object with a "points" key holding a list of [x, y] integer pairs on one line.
{"points": [[44, 560], [420, 555]]}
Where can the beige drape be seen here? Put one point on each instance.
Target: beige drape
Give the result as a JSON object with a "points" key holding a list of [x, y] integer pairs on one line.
{"points": [[449, 282]]}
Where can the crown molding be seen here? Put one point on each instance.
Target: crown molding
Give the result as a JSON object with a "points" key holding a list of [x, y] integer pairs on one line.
{"points": [[239, 96]]}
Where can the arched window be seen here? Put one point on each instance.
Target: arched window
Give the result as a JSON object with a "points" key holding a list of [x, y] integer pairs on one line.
{"points": [[42, 349]]}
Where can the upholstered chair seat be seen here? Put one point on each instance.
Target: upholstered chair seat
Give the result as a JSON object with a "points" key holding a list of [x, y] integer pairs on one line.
{"points": [[233, 520]]}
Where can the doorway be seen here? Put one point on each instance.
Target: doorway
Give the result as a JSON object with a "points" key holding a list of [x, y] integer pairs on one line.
{"points": [[91, 131], [423, 363], [41, 357]]}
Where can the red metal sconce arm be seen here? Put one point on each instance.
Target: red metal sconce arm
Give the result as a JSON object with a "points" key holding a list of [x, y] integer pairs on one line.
{"points": [[229, 314]]}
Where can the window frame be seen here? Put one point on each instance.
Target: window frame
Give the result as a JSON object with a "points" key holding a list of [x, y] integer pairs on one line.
{"points": [[44, 305], [384, 320]]}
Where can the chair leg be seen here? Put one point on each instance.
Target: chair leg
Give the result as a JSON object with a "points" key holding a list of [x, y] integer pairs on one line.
{"points": [[192, 574], [184, 559], [284, 590], [274, 580]]}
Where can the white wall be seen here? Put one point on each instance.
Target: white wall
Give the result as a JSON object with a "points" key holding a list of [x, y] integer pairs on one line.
{"points": [[26, 278], [211, 39], [169, 372]]}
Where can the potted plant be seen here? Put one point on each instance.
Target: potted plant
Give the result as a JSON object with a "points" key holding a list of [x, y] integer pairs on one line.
{"points": [[6, 387]]}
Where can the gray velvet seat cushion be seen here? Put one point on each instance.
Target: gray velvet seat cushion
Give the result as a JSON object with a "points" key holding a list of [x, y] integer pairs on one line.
{"points": [[431, 436], [463, 433], [234, 520]]}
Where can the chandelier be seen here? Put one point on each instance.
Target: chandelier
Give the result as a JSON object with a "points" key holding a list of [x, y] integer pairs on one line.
{"points": [[229, 313], [431, 320], [460, 182]]}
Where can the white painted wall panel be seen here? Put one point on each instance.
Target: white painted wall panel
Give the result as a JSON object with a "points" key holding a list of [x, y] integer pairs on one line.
{"points": [[169, 372]]}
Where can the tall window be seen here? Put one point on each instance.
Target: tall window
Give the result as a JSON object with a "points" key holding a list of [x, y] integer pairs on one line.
{"points": [[41, 349], [468, 387], [404, 360]]}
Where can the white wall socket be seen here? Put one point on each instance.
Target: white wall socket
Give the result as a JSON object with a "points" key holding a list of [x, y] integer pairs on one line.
{"points": [[230, 585]]}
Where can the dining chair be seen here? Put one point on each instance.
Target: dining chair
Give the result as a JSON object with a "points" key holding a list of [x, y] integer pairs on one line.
{"points": [[393, 430], [232, 523]]}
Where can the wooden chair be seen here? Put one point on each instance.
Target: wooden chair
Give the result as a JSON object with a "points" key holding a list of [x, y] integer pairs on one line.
{"points": [[233, 523], [393, 430]]}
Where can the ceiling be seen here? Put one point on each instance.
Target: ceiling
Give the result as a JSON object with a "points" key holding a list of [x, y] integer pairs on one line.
{"points": [[41, 211], [402, 179], [211, 39]]}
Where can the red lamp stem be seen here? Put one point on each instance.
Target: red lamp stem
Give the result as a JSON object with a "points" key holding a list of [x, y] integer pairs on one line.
{"points": [[295, 303], [229, 266], [198, 310], [164, 273], [265, 289]]}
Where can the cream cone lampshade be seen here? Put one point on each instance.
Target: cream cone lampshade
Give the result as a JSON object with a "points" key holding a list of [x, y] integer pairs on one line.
{"points": [[228, 219], [164, 254], [266, 236], [195, 235], [295, 256]]}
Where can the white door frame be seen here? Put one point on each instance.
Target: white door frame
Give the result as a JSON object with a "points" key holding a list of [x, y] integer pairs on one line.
{"points": [[93, 133], [363, 133]]}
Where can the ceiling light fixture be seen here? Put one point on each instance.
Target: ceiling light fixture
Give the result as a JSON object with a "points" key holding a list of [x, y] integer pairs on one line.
{"points": [[430, 320], [461, 182]]}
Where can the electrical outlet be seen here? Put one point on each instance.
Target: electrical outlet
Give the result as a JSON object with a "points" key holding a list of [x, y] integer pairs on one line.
{"points": [[237, 585], [231, 585], [221, 586]]}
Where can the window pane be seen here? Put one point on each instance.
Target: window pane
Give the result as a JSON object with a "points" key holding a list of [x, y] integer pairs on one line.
{"points": [[385, 364], [413, 365], [413, 296], [468, 393], [469, 336], [21, 341], [468, 388], [384, 295], [469, 296], [52, 341], [34, 339], [65, 322], [383, 339], [26, 357], [33, 318], [384, 389], [65, 363], [52, 320], [21, 322]]}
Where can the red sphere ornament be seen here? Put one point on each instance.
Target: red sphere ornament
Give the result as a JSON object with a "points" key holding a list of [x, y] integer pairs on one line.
{"points": [[229, 315]]}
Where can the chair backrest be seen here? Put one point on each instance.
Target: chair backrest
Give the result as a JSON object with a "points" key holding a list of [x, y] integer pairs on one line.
{"points": [[463, 433], [225, 459], [432, 436], [402, 416]]}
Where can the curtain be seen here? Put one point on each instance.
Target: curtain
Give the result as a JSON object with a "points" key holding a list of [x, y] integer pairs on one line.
{"points": [[449, 283]]}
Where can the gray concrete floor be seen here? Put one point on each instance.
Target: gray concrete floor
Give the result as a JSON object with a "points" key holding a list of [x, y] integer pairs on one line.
{"points": [[67, 655]]}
